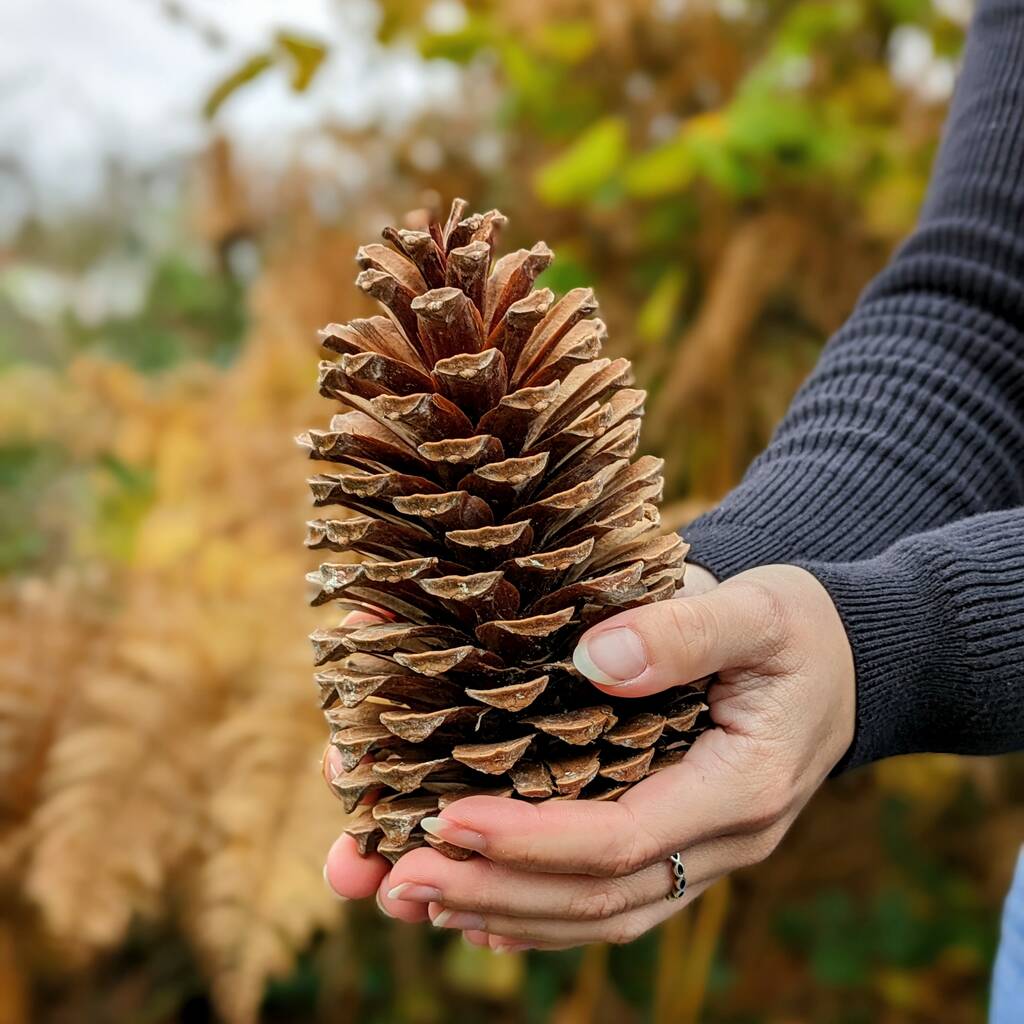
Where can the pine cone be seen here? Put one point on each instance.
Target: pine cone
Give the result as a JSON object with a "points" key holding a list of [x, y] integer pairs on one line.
{"points": [[500, 512]]}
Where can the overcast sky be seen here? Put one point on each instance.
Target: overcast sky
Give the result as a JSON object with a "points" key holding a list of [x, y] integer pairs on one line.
{"points": [[85, 82]]}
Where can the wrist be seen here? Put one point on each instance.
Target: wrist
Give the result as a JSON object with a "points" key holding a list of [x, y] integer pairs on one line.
{"points": [[824, 637]]}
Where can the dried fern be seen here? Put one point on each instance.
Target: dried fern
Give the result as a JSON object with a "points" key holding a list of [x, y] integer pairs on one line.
{"points": [[258, 895], [122, 785], [47, 630]]}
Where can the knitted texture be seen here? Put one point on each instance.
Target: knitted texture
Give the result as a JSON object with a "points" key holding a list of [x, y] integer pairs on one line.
{"points": [[936, 624], [912, 420]]}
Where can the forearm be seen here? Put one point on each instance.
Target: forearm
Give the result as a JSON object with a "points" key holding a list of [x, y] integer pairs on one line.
{"points": [[914, 416], [936, 626]]}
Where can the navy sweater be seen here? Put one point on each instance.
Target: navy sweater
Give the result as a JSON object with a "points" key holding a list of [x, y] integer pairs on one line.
{"points": [[897, 476]]}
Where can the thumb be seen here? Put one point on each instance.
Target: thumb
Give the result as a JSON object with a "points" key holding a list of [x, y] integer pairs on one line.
{"points": [[650, 648]]}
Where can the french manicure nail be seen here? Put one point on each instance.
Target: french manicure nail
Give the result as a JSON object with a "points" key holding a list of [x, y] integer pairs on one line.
{"points": [[380, 905], [457, 835], [516, 947], [611, 657], [459, 919], [415, 891]]}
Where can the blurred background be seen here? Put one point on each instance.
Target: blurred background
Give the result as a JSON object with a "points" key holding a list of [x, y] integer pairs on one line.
{"points": [[183, 184]]}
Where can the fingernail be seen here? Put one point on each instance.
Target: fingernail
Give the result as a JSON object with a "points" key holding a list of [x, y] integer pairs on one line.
{"points": [[457, 835], [380, 905], [612, 657], [334, 765], [516, 947], [415, 891], [459, 919], [330, 888]]}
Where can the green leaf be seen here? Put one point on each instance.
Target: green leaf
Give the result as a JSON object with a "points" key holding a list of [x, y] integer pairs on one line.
{"points": [[661, 171], [947, 38], [306, 56], [901, 936], [658, 313], [720, 162], [251, 69], [460, 46], [814, 22], [908, 10], [766, 128], [478, 972], [188, 312], [587, 165], [567, 272], [28, 470], [568, 41], [126, 494]]}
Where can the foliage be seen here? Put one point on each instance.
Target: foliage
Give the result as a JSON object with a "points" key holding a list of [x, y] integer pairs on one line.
{"points": [[187, 312], [300, 56], [710, 172], [727, 177]]}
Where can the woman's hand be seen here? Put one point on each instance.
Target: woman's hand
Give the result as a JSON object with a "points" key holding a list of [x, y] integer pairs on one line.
{"points": [[351, 875], [564, 873]]}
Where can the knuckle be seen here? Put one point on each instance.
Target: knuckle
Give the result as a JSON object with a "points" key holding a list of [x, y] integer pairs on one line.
{"points": [[627, 856], [600, 903], [530, 859], [621, 933], [693, 627], [763, 847], [760, 847], [770, 802], [771, 613], [623, 862], [748, 852]]}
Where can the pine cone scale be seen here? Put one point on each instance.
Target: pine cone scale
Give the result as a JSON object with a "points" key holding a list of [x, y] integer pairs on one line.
{"points": [[490, 485]]}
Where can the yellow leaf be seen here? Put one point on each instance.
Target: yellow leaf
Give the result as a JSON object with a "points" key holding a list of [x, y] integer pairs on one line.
{"points": [[480, 972]]}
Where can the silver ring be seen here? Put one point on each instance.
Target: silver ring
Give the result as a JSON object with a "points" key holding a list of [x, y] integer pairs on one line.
{"points": [[678, 877]]}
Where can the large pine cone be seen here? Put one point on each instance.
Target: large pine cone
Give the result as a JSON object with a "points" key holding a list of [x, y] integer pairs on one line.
{"points": [[500, 513]]}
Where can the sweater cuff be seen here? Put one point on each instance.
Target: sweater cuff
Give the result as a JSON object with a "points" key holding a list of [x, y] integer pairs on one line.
{"points": [[896, 628]]}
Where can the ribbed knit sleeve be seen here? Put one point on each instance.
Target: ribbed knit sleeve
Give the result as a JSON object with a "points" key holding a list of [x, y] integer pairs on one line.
{"points": [[914, 416], [936, 624]]}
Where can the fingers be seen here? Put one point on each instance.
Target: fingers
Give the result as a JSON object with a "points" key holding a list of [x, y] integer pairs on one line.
{"points": [[555, 932], [331, 764], [718, 789], [409, 911], [493, 892], [656, 646], [564, 837], [346, 871], [358, 618], [481, 886], [350, 874]]}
